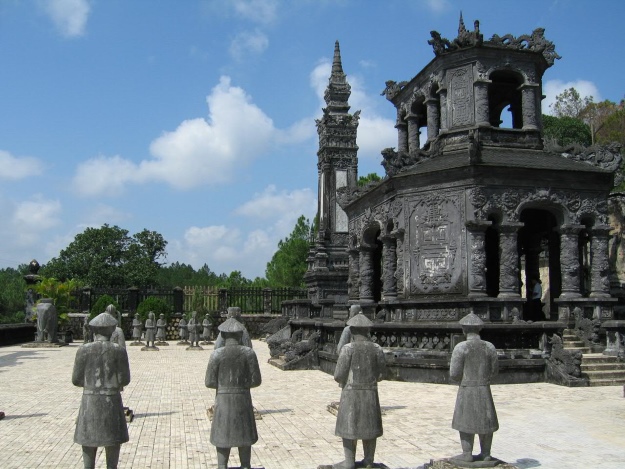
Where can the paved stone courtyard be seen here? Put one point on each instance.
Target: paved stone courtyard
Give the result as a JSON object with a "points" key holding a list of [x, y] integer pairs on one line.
{"points": [[542, 425]]}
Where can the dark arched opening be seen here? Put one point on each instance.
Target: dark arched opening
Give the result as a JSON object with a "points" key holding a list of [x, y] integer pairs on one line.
{"points": [[504, 94]]}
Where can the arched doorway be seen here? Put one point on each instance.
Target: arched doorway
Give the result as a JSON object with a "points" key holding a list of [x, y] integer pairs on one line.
{"points": [[539, 250], [371, 237]]}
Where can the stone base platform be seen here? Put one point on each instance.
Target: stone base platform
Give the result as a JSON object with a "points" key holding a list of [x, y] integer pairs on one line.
{"points": [[359, 464], [161, 342], [44, 345], [184, 342], [194, 347], [451, 463], [137, 343], [149, 349]]}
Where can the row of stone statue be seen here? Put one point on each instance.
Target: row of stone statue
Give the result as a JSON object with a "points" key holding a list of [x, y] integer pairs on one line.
{"points": [[102, 369]]}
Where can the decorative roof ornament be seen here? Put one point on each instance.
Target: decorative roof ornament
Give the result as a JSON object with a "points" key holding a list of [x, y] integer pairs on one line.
{"points": [[534, 42], [338, 91]]}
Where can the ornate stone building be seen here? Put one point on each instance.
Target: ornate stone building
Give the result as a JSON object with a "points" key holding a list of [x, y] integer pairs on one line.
{"points": [[474, 206]]}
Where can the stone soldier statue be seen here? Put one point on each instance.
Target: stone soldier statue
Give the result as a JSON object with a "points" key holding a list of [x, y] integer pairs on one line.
{"points": [[101, 369], [136, 330], [118, 335], [359, 367], [150, 332], [194, 332], [183, 332], [346, 335], [473, 364], [47, 321], [161, 332], [86, 332], [206, 329], [234, 312], [232, 370]]}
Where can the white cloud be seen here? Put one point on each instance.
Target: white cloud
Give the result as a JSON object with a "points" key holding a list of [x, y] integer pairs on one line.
{"points": [[14, 168], [31, 218], [199, 152], [261, 11], [69, 16], [271, 204], [248, 43], [437, 6], [553, 88]]}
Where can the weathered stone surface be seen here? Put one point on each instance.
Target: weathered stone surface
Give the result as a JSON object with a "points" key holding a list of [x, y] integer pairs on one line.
{"points": [[453, 464], [47, 321]]}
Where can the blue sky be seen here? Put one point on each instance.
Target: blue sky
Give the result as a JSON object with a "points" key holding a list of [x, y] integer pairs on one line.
{"points": [[195, 118]]}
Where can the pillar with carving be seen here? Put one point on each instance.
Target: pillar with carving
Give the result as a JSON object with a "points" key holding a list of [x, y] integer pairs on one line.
{"points": [[599, 267], [402, 134], [432, 117], [569, 260], [508, 260], [413, 134], [477, 257], [442, 97], [389, 265], [354, 273], [528, 105], [399, 269], [366, 274], [482, 112]]}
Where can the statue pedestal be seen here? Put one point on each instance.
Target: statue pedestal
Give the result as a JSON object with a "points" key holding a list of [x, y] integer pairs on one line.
{"points": [[137, 343], [44, 345], [149, 349], [359, 464], [452, 463], [161, 343], [195, 347]]}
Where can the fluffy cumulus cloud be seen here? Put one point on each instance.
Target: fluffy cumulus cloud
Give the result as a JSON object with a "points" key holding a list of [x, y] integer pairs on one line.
{"points": [[15, 168], [553, 88], [69, 16], [32, 217], [199, 152], [437, 6], [248, 43], [226, 249]]}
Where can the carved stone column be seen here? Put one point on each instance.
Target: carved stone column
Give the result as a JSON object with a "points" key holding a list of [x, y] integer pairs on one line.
{"points": [[442, 97], [477, 257], [569, 260], [399, 269], [389, 265], [529, 105], [432, 116], [413, 134], [508, 261], [354, 274], [482, 113], [599, 267], [366, 274], [402, 135]]}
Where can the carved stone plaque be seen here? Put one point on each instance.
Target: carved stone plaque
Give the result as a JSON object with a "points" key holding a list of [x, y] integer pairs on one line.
{"points": [[461, 88]]}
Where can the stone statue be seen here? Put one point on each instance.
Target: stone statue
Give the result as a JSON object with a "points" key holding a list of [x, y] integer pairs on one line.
{"points": [[150, 333], [194, 333], [101, 368], [232, 370], [234, 312], [473, 364], [86, 332], [360, 366], [161, 330], [136, 331], [206, 330], [183, 332], [346, 335], [118, 335], [47, 321]]}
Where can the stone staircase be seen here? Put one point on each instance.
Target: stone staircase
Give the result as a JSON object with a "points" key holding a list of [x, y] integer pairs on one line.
{"points": [[599, 369]]}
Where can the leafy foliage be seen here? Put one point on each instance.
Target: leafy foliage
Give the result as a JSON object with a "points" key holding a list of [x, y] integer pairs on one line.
{"points": [[288, 265], [107, 256], [60, 292], [371, 177], [566, 130], [12, 295], [157, 305], [569, 103], [101, 304]]}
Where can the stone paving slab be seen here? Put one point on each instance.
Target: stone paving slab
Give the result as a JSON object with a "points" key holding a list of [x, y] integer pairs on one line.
{"points": [[541, 425]]}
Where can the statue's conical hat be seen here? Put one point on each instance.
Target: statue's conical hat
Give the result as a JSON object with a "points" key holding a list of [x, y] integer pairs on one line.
{"points": [[360, 320], [231, 325], [103, 320], [471, 320]]}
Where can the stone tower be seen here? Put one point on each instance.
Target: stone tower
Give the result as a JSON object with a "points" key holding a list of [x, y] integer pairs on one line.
{"points": [[337, 166]]}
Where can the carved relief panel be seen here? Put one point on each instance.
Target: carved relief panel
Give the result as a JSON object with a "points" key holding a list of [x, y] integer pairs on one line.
{"points": [[461, 96], [436, 244]]}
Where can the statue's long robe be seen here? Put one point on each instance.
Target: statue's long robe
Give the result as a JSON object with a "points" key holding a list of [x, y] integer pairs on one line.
{"points": [[474, 363], [102, 370], [233, 370], [359, 367]]}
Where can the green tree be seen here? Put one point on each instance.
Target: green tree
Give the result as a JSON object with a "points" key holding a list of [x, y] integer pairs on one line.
{"points": [[288, 265], [12, 295], [108, 256], [371, 177], [566, 130], [569, 103]]}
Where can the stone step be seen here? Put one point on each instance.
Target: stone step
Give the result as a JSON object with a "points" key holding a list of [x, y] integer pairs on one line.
{"points": [[602, 366], [584, 350], [590, 358], [575, 344], [607, 382], [570, 337], [607, 374]]}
